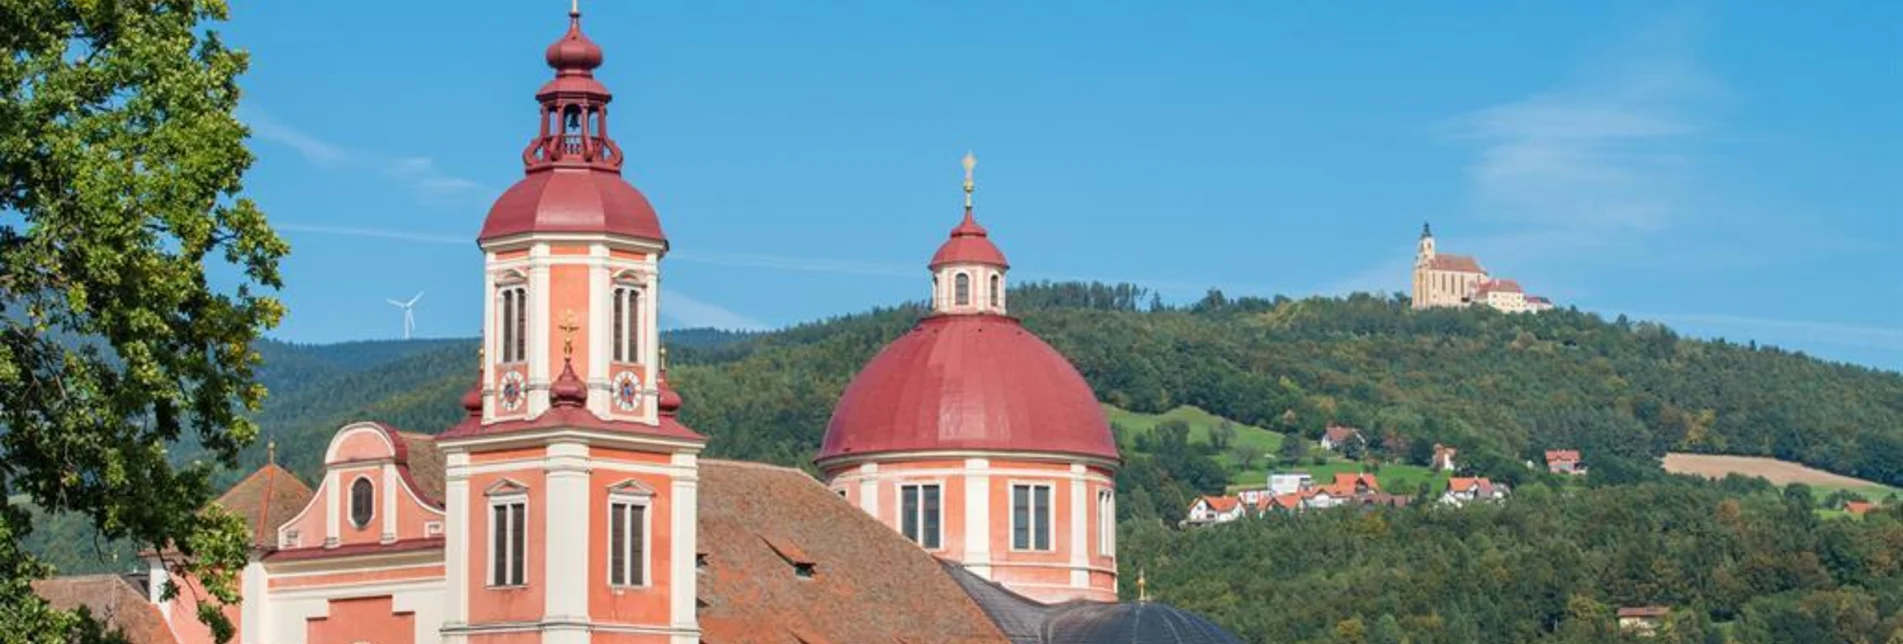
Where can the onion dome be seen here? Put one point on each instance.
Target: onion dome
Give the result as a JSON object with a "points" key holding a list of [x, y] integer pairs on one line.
{"points": [[968, 382], [572, 167], [669, 403], [568, 389], [1090, 622], [472, 399]]}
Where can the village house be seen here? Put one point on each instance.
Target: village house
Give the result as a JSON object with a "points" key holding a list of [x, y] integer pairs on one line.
{"points": [[1215, 509], [1290, 483], [1643, 621], [1858, 508], [1464, 490], [1565, 461], [1337, 436]]}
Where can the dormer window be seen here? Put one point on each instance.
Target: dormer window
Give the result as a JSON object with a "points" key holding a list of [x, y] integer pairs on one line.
{"points": [[362, 501]]}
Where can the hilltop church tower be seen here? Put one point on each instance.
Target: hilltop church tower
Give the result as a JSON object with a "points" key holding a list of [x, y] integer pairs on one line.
{"points": [[571, 488], [979, 442]]}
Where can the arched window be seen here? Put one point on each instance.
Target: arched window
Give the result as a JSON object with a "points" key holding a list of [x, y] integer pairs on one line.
{"points": [[362, 500], [515, 322], [962, 285], [997, 290], [627, 323]]}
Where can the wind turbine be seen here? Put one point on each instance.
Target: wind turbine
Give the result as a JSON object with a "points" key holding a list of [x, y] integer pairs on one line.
{"points": [[409, 313]]}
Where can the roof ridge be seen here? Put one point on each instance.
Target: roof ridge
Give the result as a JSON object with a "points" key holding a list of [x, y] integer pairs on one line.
{"points": [[264, 504]]}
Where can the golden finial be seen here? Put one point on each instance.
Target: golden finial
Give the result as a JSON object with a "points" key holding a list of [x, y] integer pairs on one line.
{"points": [[663, 358], [574, 7], [568, 328], [970, 161], [1143, 587], [271, 452]]}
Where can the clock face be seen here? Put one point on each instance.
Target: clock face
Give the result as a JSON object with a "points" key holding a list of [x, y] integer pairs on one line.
{"points": [[627, 391], [512, 390]]}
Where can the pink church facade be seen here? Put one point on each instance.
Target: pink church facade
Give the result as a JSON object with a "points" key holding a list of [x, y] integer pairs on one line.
{"points": [[567, 506]]}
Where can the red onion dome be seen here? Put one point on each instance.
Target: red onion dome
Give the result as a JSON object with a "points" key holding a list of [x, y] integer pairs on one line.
{"points": [[968, 382], [574, 51], [669, 403], [970, 243], [568, 389], [472, 399]]}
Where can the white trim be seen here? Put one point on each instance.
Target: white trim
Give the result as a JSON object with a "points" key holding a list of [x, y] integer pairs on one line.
{"points": [[978, 516], [337, 441], [504, 493], [1050, 515], [615, 242], [537, 437], [842, 461], [1106, 522], [390, 485], [494, 467], [684, 532], [566, 528], [895, 475], [333, 524], [456, 529], [869, 490], [351, 506], [540, 365]]}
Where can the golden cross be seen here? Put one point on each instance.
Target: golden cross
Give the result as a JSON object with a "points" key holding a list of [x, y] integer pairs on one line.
{"points": [[663, 358], [970, 161], [1143, 587], [574, 7], [271, 452], [568, 328]]}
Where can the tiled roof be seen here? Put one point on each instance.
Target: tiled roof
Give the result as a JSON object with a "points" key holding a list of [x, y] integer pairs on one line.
{"points": [[1222, 503], [265, 500], [355, 549], [1644, 611], [1344, 484], [425, 462], [1459, 484], [1562, 455], [1858, 507], [1498, 286], [1339, 433], [114, 601], [868, 584], [1455, 263]]}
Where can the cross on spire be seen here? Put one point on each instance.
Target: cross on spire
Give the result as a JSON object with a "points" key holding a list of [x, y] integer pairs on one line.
{"points": [[970, 162], [568, 328], [574, 7]]}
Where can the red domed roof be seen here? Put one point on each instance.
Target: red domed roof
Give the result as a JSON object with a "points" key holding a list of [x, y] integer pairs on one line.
{"points": [[574, 51], [968, 382], [573, 200], [969, 244]]}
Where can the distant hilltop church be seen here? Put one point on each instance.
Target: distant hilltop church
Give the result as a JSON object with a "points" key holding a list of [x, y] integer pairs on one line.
{"points": [[1442, 279]]}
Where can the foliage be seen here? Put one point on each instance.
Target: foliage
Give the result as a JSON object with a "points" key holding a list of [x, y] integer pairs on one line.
{"points": [[120, 163], [1547, 565]]}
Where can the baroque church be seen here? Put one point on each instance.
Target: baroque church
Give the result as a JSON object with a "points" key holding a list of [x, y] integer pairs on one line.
{"points": [[968, 490], [1446, 279]]}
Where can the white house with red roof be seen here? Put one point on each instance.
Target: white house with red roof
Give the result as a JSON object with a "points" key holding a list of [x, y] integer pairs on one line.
{"points": [[1465, 490]]}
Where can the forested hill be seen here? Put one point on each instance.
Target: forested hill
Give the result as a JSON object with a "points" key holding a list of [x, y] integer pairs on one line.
{"points": [[1502, 387]]}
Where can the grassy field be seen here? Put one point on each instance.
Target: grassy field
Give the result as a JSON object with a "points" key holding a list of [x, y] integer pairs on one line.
{"points": [[1778, 472], [1393, 477]]}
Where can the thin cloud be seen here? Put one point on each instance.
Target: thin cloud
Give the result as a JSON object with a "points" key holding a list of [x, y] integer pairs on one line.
{"points": [[374, 233], [421, 174], [1607, 154], [692, 313]]}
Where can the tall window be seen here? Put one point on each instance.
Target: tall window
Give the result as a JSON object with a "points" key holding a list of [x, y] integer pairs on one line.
{"points": [[1106, 523], [627, 324], [920, 514], [515, 324], [997, 289], [627, 541], [507, 522], [362, 501], [1031, 517], [961, 285]]}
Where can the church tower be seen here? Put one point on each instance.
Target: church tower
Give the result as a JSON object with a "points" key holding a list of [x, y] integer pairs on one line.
{"points": [[1423, 259], [571, 493], [977, 441]]}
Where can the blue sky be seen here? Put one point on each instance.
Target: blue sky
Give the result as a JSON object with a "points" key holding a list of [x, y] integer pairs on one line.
{"points": [[1728, 168]]}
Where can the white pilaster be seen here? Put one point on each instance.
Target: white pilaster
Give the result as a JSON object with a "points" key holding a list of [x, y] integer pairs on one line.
{"points": [[157, 576], [540, 375], [456, 527], [651, 342], [684, 524], [1079, 528], [492, 345], [333, 510], [389, 503], [566, 526], [869, 490], [978, 516], [254, 613], [600, 333]]}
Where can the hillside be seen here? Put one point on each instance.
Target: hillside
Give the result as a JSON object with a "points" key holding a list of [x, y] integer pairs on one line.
{"points": [[1501, 387]]}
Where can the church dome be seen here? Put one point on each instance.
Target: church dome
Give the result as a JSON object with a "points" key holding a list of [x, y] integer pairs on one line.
{"points": [[970, 243], [968, 382], [1144, 622], [578, 200]]}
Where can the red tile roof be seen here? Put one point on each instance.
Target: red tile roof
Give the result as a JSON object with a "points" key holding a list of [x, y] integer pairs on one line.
{"points": [[573, 200], [1645, 611], [356, 549], [1858, 507], [1339, 433], [1222, 503], [969, 244], [1455, 263], [868, 584], [265, 500], [1345, 483], [1562, 455], [968, 382], [114, 601], [1478, 484], [1499, 286]]}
